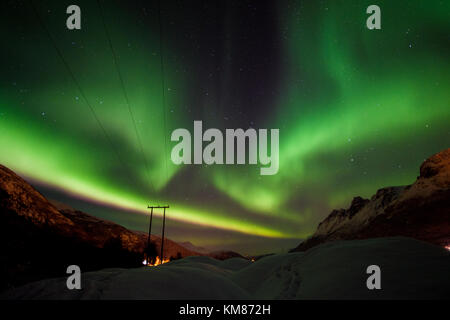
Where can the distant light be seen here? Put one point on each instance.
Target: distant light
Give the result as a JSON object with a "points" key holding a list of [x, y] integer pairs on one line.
{"points": [[447, 247], [156, 263]]}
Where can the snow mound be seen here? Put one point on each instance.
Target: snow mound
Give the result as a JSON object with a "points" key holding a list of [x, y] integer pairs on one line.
{"points": [[410, 269], [337, 270]]}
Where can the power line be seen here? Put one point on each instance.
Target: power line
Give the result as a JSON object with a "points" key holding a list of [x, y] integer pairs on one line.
{"points": [[124, 92], [52, 40], [161, 53]]}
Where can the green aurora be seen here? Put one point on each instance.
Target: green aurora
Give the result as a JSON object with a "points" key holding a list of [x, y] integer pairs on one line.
{"points": [[357, 109]]}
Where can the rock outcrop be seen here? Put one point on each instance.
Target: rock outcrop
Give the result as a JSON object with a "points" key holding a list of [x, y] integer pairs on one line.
{"points": [[420, 210], [39, 239]]}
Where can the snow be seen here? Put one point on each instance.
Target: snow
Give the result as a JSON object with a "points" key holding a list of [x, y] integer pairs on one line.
{"points": [[337, 270]]}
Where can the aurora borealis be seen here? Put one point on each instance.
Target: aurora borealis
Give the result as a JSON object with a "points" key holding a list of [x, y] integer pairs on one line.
{"points": [[357, 109]]}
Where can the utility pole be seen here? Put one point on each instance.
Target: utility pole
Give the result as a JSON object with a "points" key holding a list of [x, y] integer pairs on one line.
{"points": [[149, 236], [162, 239], [150, 230]]}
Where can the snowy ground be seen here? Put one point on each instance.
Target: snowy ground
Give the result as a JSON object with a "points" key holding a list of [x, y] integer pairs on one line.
{"points": [[409, 269]]}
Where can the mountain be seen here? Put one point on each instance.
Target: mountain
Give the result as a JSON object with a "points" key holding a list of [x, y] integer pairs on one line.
{"points": [[189, 245], [219, 254], [39, 239], [420, 210], [99, 231], [225, 254]]}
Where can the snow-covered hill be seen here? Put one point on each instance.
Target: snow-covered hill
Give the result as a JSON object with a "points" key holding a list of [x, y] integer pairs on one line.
{"points": [[410, 269]]}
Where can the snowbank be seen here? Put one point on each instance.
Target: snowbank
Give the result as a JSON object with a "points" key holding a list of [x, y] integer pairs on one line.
{"points": [[410, 269]]}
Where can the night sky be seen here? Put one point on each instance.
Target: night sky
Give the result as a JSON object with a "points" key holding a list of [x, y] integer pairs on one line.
{"points": [[357, 109]]}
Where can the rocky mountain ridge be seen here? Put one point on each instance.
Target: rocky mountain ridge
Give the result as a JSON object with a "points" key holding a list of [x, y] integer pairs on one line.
{"points": [[420, 210], [40, 240]]}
